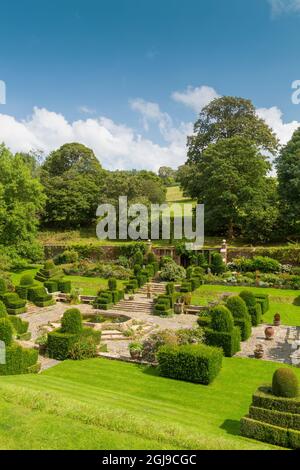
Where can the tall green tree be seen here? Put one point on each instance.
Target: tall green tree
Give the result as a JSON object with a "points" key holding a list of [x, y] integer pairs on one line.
{"points": [[21, 203], [230, 180], [73, 179], [225, 118], [288, 173]]}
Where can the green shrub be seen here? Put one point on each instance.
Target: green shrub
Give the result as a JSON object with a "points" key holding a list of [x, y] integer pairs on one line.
{"points": [[221, 319], [71, 321], [255, 314], [26, 280], [248, 297], [263, 300], [228, 341], [64, 286], [217, 264], [189, 272], [277, 418], [112, 283], [84, 348], [285, 383], [264, 398], [265, 432], [204, 321], [49, 264], [3, 311], [19, 360], [6, 331], [38, 295], [22, 292], [238, 307], [245, 327], [60, 344], [20, 326], [14, 304], [186, 286], [51, 286], [67, 257], [170, 288], [171, 271], [3, 286], [193, 362]]}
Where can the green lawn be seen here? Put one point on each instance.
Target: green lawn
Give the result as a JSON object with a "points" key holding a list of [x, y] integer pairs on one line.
{"points": [[87, 285], [103, 404], [286, 302]]}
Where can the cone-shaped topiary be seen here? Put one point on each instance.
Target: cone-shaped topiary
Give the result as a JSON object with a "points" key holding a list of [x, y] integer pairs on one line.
{"points": [[112, 283], [26, 280], [238, 307], [71, 321], [248, 297], [6, 331], [222, 319], [3, 311], [285, 383]]}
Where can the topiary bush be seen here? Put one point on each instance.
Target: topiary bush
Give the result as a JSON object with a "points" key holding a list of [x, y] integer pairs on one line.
{"points": [[237, 306], [240, 314], [3, 286], [248, 297], [3, 311], [285, 383], [112, 283], [192, 362], [71, 321], [26, 280], [19, 360], [222, 319], [6, 331]]}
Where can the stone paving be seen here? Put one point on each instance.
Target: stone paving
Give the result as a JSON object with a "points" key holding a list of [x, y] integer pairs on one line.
{"points": [[278, 349], [39, 317]]}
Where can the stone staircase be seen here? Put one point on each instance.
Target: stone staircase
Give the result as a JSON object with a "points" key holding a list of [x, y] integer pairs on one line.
{"points": [[156, 288]]}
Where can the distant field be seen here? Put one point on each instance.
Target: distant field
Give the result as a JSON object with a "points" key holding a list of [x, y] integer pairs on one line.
{"points": [[103, 404]]}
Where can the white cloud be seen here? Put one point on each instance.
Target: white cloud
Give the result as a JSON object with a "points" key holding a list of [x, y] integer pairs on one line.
{"points": [[86, 110], [196, 98], [273, 117], [284, 6], [116, 145]]}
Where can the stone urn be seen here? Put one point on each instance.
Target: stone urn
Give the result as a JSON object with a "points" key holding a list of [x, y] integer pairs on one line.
{"points": [[277, 319], [269, 333], [259, 351]]}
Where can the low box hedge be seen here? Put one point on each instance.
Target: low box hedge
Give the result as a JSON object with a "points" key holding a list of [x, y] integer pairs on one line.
{"points": [[263, 300], [20, 326], [60, 344], [263, 398], [228, 341], [51, 286], [255, 314], [265, 432], [204, 321], [277, 418], [18, 360], [193, 362], [64, 286]]}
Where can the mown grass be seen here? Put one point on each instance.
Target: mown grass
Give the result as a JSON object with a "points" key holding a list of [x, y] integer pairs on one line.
{"points": [[128, 406], [286, 302]]}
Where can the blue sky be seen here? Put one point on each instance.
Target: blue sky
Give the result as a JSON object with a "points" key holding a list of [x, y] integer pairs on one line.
{"points": [[127, 77]]}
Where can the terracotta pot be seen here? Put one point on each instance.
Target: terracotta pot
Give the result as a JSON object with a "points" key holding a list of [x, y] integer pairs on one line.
{"points": [[276, 320], [269, 332]]}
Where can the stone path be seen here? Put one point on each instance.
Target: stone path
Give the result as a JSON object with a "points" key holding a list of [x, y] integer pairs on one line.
{"points": [[279, 349], [139, 309]]}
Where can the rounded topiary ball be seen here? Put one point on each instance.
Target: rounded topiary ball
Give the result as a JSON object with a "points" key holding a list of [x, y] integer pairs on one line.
{"points": [[6, 331], [248, 297], [3, 311], [238, 307], [26, 280], [71, 321], [285, 383], [221, 319]]}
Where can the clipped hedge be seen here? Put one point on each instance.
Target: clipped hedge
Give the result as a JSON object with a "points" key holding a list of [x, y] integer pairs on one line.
{"points": [[222, 319], [71, 321], [6, 331], [38, 295], [14, 304], [263, 300], [228, 341], [285, 383], [240, 314], [60, 344], [20, 326], [193, 362], [265, 432], [64, 286], [263, 398], [19, 361]]}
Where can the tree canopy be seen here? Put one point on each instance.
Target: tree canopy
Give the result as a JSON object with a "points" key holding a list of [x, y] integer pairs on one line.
{"points": [[227, 117]]}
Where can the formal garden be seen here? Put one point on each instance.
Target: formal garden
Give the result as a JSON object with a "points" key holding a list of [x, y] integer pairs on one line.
{"points": [[97, 335]]}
